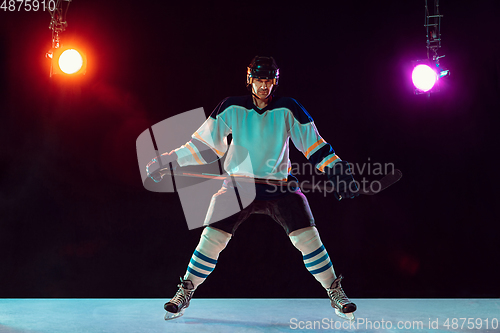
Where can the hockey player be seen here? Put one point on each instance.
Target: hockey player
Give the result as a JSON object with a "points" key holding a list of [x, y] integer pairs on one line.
{"points": [[263, 125]]}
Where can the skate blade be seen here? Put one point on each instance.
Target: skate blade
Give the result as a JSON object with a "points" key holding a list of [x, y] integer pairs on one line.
{"points": [[170, 315], [348, 316]]}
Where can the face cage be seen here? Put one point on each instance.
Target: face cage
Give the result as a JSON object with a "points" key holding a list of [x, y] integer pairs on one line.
{"points": [[250, 80], [252, 73]]}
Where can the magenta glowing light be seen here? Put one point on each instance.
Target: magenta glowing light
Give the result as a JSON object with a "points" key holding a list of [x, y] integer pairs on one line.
{"points": [[424, 77]]}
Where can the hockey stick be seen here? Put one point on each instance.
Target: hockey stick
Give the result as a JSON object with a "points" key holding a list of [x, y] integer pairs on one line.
{"points": [[383, 183], [365, 187], [373, 188]]}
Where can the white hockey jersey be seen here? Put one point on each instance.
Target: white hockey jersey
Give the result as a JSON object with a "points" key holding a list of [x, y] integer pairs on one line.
{"points": [[260, 139]]}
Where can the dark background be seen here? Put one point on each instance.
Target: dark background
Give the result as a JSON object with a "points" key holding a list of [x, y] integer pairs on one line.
{"points": [[75, 220]]}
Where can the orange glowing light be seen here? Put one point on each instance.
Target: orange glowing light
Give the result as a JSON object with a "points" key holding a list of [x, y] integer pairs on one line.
{"points": [[68, 61]]}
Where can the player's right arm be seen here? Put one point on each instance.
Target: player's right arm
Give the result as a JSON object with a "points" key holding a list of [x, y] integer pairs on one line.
{"points": [[209, 142], [207, 145], [159, 163]]}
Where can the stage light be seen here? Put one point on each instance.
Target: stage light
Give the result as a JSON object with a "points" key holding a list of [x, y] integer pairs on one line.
{"points": [[424, 77], [426, 73], [70, 61], [65, 59]]}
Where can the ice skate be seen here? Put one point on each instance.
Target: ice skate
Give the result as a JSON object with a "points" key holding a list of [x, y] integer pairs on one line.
{"points": [[176, 306], [344, 308]]}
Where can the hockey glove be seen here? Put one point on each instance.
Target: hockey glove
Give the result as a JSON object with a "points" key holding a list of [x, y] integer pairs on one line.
{"points": [[344, 184], [160, 163]]}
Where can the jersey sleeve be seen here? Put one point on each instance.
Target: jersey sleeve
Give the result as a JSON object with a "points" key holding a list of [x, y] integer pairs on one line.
{"points": [[306, 138], [209, 142]]}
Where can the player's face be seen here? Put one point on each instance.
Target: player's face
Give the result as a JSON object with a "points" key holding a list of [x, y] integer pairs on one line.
{"points": [[262, 88]]}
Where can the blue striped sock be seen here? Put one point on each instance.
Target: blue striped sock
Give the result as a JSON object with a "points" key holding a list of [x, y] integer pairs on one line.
{"points": [[200, 265], [205, 256], [314, 255], [317, 261]]}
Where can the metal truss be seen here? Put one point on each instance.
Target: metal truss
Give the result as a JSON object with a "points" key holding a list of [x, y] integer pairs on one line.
{"points": [[58, 21]]}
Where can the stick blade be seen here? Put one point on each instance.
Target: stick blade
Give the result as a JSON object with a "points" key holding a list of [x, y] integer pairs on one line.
{"points": [[383, 183]]}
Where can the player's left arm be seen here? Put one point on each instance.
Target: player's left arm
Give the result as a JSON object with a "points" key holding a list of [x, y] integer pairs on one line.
{"points": [[320, 153]]}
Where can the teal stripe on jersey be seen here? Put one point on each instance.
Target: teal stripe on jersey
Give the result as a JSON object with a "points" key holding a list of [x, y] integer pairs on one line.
{"points": [[197, 264], [322, 269], [204, 257], [315, 262], [314, 253]]}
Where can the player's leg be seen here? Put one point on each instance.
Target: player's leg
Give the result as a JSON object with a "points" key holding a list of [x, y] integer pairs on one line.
{"points": [[294, 214], [202, 263], [204, 258], [213, 240], [318, 263], [314, 255]]}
